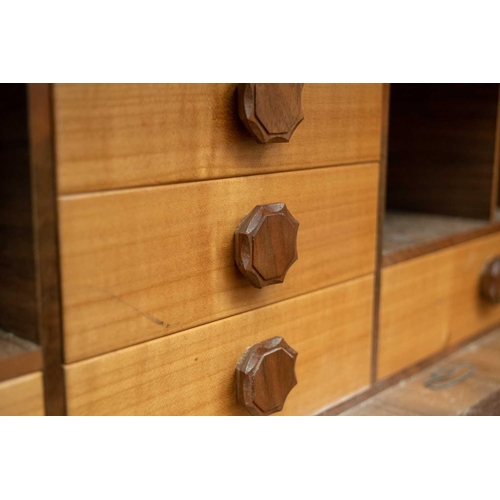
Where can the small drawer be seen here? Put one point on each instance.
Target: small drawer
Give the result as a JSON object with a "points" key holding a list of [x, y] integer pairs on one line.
{"points": [[22, 396], [144, 263], [193, 372], [433, 301], [116, 136]]}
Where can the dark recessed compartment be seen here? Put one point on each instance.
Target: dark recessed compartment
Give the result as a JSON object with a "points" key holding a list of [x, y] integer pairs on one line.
{"points": [[17, 268], [19, 350], [442, 168]]}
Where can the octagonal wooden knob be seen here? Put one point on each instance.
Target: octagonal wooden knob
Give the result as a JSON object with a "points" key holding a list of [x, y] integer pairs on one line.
{"points": [[270, 111], [265, 375], [265, 244], [490, 281]]}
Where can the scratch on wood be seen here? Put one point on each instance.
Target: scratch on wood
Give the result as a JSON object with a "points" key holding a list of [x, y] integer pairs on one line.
{"points": [[136, 309]]}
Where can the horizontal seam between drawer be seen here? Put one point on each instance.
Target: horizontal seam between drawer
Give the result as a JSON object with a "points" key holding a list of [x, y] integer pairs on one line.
{"points": [[66, 196], [155, 339]]}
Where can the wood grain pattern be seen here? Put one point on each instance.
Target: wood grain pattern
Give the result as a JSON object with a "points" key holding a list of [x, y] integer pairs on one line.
{"points": [[270, 111], [433, 301], [470, 312], [265, 244], [474, 394], [264, 376], [45, 229], [330, 329], [408, 235], [442, 148], [18, 356], [18, 308], [115, 136], [22, 396], [414, 311], [384, 146], [141, 264], [410, 371]]}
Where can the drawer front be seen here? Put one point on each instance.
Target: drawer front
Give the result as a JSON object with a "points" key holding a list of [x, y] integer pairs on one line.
{"points": [[115, 136], [144, 263], [433, 301], [22, 396], [470, 313], [414, 311], [192, 372]]}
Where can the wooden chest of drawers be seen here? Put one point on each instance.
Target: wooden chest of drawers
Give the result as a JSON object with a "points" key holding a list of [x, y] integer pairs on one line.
{"points": [[117, 136], [192, 372], [174, 233], [142, 264]]}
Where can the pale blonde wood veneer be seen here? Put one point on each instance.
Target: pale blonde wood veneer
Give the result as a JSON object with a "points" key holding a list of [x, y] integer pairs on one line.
{"points": [[115, 136], [191, 373], [140, 264], [22, 396], [432, 301], [414, 311], [469, 312]]}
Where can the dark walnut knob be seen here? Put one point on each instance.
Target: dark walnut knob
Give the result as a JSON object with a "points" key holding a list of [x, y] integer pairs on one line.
{"points": [[265, 375], [265, 244], [270, 111], [490, 281]]}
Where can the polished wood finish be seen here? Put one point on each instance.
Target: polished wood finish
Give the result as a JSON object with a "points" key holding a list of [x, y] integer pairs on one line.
{"points": [[408, 234], [22, 396], [490, 281], [141, 264], [18, 356], [470, 313], [442, 149], [192, 373], [46, 242], [384, 139], [116, 136], [433, 301], [414, 312], [270, 111], [381, 385], [18, 312], [475, 394], [265, 375], [265, 244]]}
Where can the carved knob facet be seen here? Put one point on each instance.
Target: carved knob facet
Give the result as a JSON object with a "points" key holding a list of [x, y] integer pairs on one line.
{"points": [[265, 375], [490, 281], [266, 244], [270, 111]]}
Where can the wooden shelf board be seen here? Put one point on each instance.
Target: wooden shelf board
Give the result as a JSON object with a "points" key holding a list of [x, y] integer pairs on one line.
{"points": [[407, 235], [18, 356]]}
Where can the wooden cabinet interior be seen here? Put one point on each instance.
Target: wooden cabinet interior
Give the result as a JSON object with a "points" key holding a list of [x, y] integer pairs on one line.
{"points": [[29, 268], [442, 167], [17, 268]]}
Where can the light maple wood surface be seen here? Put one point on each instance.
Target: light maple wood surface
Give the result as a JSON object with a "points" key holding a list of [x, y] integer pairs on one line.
{"points": [[470, 313], [433, 301], [122, 135], [144, 263], [192, 372], [414, 311], [22, 396]]}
